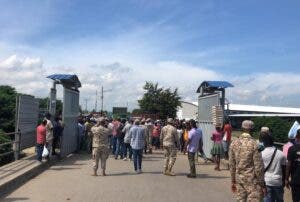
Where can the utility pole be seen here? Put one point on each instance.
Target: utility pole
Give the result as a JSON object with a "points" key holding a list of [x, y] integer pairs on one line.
{"points": [[96, 101], [86, 100], [102, 97]]}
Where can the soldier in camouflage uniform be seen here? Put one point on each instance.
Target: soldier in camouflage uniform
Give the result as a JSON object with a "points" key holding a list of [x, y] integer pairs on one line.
{"points": [[246, 166], [169, 139], [150, 127], [100, 145], [144, 126]]}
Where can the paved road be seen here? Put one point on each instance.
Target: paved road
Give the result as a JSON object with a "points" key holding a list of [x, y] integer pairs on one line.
{"points": [[70, 180]]}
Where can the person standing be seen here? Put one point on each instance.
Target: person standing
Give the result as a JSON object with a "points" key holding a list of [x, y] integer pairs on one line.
{"points": [[293, 168], [169, 139], [88, 125], [150, 128], [227, 130], [217, 149], [156, 135], [49, 134], [246, 166], [194, 137], [80, 135], [40, 139], [57, 134], [100, 145], [144, 126], [137, 143], [127, 147], [275, 163]]}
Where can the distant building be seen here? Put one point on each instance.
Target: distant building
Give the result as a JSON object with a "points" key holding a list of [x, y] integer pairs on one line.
{"points": [[187, 111]]}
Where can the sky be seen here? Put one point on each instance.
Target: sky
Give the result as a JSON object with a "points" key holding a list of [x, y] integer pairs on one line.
{"points": [[120, 45]]}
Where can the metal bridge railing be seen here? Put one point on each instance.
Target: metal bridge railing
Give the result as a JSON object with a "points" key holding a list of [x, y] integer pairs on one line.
{"points": [[15, 145]]}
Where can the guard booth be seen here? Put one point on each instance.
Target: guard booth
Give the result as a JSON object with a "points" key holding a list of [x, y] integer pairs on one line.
{"points": [[70, 111], [212, 96]]}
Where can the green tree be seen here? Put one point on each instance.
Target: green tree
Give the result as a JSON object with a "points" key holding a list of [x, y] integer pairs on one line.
{"points": [[44, 104], [7, 108], [279, 127], [159, 101]]}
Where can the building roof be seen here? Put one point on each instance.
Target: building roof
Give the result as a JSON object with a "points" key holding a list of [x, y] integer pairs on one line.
{"points": [[266, 109], [214, 84], [68, 79], [264, 115]]}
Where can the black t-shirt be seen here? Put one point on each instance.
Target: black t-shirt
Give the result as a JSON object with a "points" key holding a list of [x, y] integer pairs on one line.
{"points": [[294, 158]]}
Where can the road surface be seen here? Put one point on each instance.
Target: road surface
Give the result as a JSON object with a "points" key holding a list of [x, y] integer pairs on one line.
{"points": [[71, 180]]}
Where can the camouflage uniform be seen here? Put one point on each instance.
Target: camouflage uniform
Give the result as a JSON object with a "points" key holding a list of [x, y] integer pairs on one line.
{"points": [[150, 128], [146, 137], [88, 136], [169, 138], [100, 146], [246, 168]]}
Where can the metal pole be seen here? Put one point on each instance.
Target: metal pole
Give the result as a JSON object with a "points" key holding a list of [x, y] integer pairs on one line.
{"points": [[102, 98], [16, 145], [96, 101]]}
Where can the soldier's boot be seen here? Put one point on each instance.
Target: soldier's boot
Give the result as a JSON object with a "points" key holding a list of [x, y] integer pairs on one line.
{"points": [[94, 173], [165, 172], [170, 172]]}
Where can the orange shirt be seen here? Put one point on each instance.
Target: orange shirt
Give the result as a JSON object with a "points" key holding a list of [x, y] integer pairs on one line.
{"points": [[186, 135]]}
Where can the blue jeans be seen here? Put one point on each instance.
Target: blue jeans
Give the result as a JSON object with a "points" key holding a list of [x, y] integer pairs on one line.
{"points": [[274, 193], [127, 147], [119, 147], [39, 151], [137, 158], [114, 144]]}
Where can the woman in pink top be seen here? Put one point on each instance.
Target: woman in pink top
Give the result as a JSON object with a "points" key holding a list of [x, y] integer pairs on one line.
{"points": [[217, 150]]}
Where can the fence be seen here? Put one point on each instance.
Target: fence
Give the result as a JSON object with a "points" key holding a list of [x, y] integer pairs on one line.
{"points": [[15, 145]]}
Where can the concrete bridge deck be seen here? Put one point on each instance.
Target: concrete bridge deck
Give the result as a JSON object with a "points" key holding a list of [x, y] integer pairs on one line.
{"points": [[70, 180]]}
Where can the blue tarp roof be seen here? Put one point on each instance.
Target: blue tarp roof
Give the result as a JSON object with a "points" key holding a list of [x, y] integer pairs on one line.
{"points": [[215, 84], [66, 78]]}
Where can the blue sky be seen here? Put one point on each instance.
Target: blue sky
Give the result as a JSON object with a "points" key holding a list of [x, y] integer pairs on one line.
{"points": [[253, 44]]}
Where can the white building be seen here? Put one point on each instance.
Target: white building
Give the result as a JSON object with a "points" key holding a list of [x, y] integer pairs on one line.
{"points": [[187, 111]]}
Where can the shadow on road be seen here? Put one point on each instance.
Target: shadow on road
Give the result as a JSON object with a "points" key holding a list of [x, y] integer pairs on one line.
{"points": [[15, 199]]}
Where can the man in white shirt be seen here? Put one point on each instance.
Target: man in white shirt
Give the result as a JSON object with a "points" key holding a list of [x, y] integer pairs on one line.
{"points": [[274, 170]]}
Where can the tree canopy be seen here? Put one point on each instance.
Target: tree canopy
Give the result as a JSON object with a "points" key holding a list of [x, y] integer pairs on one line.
{"points": [[7, 108], [159, 101]]}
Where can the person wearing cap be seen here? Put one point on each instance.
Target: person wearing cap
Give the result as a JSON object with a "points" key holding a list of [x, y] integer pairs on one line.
{"points": [[146, 135], [100, 145], [246, 166], [169, 140], [150, 128]]}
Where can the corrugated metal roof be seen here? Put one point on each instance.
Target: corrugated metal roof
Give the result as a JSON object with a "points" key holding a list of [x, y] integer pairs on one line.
{"points": [[66, 78], [214, 84], [219, 84], [266, 109]]}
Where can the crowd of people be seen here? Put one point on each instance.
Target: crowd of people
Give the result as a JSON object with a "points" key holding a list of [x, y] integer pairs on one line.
{"points": [[258, 169]]}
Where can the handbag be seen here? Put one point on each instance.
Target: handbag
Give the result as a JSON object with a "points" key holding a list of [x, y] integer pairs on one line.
{"points": [[267, 168], [45, 152]]}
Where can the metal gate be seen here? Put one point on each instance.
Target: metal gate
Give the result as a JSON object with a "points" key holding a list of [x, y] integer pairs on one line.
{"points": [[70, 114], [27, 112], [205, 104]]}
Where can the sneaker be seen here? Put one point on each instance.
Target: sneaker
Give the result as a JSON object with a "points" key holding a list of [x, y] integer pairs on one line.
{"points": [[139, 171], [125, 159]]}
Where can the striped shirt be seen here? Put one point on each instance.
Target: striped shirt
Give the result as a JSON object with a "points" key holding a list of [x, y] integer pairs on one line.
{"points": [[137, 137]]}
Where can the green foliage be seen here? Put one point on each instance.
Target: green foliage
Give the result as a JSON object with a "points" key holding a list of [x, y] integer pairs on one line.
{"points": [[6, 148], [159, 101], [44, 104], [7, 108], [279, 127]]}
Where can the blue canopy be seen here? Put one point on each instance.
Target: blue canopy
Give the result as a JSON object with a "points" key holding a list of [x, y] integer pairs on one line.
{"points": [[69, 79], [215, 85]]}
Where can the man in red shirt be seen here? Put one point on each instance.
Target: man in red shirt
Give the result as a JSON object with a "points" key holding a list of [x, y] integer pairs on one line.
{"points": [[40, 139]]}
